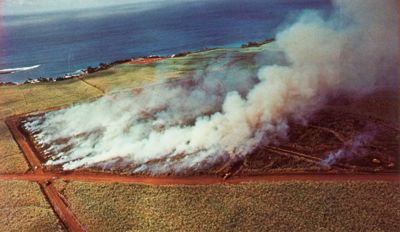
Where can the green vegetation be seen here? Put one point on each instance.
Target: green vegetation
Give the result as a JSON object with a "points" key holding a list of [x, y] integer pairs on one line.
{"points": [[24, 208], [123, 76], [284, 206], [33, 97], [128, 76], [11, 158], [28, 98]]}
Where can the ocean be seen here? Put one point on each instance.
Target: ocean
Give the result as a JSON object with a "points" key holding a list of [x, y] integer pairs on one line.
{"points": [[64, 42]]}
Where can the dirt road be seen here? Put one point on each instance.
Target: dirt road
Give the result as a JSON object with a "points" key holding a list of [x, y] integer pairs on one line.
{"points": [[45, 179], [199, 180], [146, 60]]}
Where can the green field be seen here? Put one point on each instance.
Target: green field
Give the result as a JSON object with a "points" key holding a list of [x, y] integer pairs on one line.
{"points": [[285, 206], [21, 99], [24, 208], [30, 98], [18, 99], [11, 158], [128, 76]]}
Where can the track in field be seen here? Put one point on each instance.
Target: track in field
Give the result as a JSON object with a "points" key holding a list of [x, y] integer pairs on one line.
{"points": [[70, 222]]}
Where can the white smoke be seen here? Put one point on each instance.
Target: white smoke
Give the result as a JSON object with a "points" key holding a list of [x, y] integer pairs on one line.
{"points": [[349, 150], [223, 116]]}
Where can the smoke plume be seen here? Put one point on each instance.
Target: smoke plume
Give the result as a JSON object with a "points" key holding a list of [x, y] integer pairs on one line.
{"points": [[221, 116], [349, 150]]}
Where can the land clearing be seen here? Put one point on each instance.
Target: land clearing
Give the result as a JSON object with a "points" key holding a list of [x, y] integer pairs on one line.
{"points": [[69, 203], [277, 187], [333, 141], [146, 60]]}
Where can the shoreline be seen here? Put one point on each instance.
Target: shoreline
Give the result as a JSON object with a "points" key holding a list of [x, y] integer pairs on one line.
{"points": [[134, 60]]}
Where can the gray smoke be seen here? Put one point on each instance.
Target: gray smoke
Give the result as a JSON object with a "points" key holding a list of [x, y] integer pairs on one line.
{"points": [[221, 116], [349, 150]]}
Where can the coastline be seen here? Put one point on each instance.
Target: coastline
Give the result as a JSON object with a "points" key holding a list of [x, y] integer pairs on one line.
{"points": [[82, 73]]}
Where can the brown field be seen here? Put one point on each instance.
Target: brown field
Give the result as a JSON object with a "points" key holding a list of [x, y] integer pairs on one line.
{"points": [[276, 188], [24, 208], [281, 206], [146, 60], [33, 97], [331, 129], [11, 158]]}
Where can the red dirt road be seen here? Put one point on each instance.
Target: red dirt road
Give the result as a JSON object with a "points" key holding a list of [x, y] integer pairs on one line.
{"points": [[33, 160], [146, 60], [199, 180], [45, 179], [60, 208]]}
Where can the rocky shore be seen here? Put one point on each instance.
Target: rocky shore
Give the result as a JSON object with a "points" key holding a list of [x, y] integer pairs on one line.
{"points": [[104, 66]]}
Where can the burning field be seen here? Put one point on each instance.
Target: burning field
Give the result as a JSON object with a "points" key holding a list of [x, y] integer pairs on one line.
{"points": [[336, 139], [292, 110], [277, 137]]}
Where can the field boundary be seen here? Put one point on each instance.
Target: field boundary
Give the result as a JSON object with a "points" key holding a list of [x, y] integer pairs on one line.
{"points": [[49, 177], [45, 178], [60, 208]]}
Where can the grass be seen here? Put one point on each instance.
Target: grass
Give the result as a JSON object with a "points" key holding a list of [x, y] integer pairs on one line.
{"points": [[123, 76], [24, 208], [11, 158], [29, 98], [33, 97], [285, 206], [128, 76]]}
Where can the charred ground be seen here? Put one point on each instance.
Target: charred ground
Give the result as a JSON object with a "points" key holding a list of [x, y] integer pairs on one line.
{"points": [[347, 135]]}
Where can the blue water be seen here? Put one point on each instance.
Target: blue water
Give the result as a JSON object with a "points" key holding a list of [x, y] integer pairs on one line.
{"points": [[64, 42]]}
